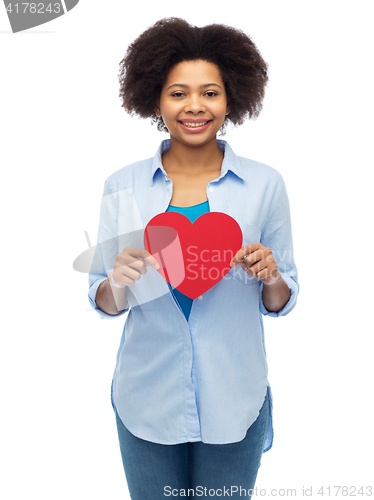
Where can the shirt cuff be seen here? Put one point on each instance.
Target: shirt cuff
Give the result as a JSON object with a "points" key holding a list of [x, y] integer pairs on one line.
{"points": [[92, 299], [294, 288]]}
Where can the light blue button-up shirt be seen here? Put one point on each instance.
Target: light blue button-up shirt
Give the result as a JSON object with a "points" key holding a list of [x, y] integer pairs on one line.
{"points": [[204, 379]]}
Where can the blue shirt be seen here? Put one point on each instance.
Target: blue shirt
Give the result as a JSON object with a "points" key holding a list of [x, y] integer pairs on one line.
{"points": [[192, 213], [204, 379]]}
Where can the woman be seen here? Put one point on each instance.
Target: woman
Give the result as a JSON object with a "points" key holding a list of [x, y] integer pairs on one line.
{"points": [[190, 389]]}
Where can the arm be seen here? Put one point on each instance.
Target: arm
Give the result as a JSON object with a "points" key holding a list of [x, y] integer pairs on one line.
{"points": [[110, 299], [102, 296], [275, 296], [271, 261], [114, 267], [277, 235], [130, 265], [259, 262]]}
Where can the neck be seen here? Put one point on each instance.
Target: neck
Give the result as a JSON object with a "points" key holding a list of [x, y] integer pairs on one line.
{"points": [[192, 159]]}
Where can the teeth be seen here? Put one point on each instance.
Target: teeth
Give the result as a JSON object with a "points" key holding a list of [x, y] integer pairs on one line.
{"points": [[191, 124]]}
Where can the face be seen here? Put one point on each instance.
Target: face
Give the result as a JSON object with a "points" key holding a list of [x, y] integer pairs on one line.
{"points": [[193, 102]]}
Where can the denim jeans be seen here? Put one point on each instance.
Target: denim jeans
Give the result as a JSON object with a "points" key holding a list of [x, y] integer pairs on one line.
{"points": [[158, 471]]}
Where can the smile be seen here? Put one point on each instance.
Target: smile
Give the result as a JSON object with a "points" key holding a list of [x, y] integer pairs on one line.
{"points": [[195, 127], [192, 124]]}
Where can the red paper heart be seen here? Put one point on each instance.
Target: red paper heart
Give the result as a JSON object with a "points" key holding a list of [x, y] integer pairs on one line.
{"points": [[193, 257]]}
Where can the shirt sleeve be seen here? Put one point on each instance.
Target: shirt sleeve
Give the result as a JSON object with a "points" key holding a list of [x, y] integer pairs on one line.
{"points": [[277, 235], [106, 248]]}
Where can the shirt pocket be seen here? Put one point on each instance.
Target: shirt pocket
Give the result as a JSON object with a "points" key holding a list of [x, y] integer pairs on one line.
{"points": [[251, 234]]}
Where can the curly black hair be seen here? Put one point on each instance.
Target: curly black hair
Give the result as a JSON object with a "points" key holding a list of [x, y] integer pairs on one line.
{"points": [[149, 59]]}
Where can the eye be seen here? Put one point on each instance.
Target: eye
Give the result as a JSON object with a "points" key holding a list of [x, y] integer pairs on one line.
{"points": [[212, 93], [177, 94]]}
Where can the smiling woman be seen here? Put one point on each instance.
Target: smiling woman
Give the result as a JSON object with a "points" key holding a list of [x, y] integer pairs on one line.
{"points": [[190, 392], [242, 68], [193, 112]]}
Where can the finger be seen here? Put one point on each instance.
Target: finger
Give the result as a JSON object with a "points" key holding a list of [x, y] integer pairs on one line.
{"points": [[147, 258], [124, 274], [138, 265], [131, 254], [239, 256], [118, 280], [270, 274], [247, 260], [151, 261], [257, 267], [251, 259]]}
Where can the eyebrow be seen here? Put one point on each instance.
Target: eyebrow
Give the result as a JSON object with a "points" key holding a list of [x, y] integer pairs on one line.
{"points": [[186, 86]]}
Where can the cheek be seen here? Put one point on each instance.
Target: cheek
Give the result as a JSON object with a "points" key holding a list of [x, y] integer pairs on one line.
{"points": [[221, 108], [170, 111]]}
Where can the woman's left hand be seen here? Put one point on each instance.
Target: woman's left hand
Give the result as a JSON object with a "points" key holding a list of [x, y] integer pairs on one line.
{"points": [[258, 261]]}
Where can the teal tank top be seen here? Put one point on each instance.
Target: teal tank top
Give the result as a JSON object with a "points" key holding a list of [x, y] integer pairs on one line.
{"points": [[191, 213]]}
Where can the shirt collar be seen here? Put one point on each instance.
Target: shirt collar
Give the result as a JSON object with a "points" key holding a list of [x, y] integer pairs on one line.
{"points": [[230, 160]]}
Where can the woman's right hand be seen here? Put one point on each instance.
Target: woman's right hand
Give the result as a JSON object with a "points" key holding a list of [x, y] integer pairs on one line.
{"points": [[129, 266]]}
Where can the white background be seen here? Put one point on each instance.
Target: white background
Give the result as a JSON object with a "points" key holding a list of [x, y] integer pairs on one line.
{"points": [[63, 132]]}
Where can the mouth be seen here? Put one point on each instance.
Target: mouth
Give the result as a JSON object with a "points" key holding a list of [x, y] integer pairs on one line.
{"points": [[195, 126]]}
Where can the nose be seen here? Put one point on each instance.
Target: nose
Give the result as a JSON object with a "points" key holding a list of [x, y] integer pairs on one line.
{"points": [[194, 104]]}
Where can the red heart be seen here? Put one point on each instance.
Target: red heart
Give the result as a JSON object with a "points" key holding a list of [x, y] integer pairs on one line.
{"points": [[193, 257]]}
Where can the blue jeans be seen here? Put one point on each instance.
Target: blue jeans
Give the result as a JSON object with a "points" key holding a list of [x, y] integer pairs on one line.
{"points": [[158, 471]]}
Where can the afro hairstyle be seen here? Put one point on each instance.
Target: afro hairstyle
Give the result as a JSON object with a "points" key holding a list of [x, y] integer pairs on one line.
{"points": [[150, 57]]}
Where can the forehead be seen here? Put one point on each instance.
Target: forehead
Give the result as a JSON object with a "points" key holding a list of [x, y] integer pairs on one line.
{"points": [[194, 72]]}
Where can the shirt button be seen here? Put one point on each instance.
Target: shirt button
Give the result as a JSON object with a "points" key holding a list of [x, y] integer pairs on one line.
{"points": [[211, 190], [200, 297]]}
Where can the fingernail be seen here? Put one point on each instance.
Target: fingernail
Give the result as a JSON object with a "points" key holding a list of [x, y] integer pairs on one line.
{"points": [[157, 266]]}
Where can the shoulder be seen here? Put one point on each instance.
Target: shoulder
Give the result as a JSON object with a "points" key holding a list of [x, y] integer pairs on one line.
{"points": [[259, 172], [253, 171], [128, 176], [260, 181], [260, 177]]}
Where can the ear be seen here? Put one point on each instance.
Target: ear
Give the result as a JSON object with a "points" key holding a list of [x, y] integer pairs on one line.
{"points": [[157, 109], [228, 108]]}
